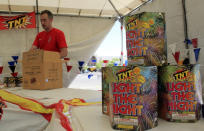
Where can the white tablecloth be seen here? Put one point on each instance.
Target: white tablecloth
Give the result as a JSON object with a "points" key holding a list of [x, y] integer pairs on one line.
{"points": [[89, 118]]}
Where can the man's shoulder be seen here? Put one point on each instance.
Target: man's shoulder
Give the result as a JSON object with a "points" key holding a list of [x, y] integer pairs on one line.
{"points": [[57, 30], [41, 33]]}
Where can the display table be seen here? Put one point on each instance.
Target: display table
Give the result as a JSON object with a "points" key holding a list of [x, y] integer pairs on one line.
{"points": [[86, 118]]}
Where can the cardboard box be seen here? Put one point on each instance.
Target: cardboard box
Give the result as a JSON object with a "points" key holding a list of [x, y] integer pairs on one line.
{"points": [[42, 70]]}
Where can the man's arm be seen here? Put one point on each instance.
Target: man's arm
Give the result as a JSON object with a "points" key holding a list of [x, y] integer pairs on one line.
{"points": [[63, 52]]}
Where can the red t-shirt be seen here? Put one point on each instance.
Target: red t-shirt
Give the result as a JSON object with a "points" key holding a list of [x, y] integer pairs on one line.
{"points": [[53, 40]]}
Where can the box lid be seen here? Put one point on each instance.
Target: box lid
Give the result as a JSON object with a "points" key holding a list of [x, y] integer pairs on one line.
{"points": [[40, 56]]}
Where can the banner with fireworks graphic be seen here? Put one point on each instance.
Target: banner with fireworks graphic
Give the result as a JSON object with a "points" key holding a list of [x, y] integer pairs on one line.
{"points": [[145, 39], [180, 93], [129, 96], [18, 22]]}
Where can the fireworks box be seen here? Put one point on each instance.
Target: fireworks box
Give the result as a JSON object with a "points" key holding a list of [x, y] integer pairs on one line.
{"points": [[129, 96], [180, 91], [12, 81], [145, 39], [41, 70]]}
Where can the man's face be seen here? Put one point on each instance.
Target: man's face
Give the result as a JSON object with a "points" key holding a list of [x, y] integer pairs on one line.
{"points": [[45, 22]]}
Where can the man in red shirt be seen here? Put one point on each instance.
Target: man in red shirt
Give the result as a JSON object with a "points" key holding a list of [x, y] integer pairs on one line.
{"points": [[51, 39]]}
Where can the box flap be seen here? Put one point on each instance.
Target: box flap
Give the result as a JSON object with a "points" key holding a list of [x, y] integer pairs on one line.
{"points": [[39, 56]]}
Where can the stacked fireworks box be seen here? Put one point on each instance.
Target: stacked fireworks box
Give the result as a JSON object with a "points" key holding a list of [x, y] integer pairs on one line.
{"points": [[130, 94], [180, 93]]}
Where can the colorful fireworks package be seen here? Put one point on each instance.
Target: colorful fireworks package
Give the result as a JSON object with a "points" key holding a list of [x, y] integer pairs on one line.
{"points": [[12, 81], [130, 96], [145, 39], [180, 93]]}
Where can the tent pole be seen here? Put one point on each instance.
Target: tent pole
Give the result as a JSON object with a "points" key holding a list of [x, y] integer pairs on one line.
{"points": [[185, 27], [37, 19], [138, 7], [9, 6], [65, 15], [114, 8], [121, 22]]}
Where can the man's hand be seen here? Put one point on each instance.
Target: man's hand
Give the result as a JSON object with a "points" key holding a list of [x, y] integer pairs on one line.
{"points": [[33, 47], [63, 52]]}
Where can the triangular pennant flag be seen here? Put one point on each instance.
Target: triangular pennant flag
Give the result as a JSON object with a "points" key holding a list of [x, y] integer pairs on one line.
{"points": [[80, 68], [69, 68], [197, 51], [195, 42], [90, 75], [126, 62], [105, 61], [12, 68], [67, 59], [14, 74], [11, 63], [94, 61], [92, 69], [1, 69], [115, 64], [15, 58], [81, 63], [187, 41], [176, 56], [173, 48]]}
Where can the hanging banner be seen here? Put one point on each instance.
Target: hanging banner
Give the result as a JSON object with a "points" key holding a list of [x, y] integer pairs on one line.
{"points": [[145, 39], [176, 56], [24, 21], [197, 51], [195, 42]]}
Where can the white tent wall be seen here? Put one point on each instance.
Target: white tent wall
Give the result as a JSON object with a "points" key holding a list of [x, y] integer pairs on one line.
{"points": [[83, 36], [14, 42]]}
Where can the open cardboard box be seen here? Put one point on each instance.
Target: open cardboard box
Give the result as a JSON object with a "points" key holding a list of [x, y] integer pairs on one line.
{"points": [[42, 70]]}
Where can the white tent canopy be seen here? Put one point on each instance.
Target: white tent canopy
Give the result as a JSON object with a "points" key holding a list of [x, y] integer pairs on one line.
{"points": [[96, 8]]}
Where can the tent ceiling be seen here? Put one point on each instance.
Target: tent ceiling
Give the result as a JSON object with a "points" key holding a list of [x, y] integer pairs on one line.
{"points": [[96, 8]]}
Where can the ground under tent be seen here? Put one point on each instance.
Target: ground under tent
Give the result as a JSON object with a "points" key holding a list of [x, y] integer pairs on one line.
{"points": [[85, 28]]}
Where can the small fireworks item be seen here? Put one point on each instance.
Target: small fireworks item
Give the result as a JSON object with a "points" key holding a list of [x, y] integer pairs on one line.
{"points": [[12, 81], [180, 93]]}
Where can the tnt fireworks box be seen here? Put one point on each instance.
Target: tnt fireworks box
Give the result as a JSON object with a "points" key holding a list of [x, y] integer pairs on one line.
{"points": [[129, 96], [180, 91], [145, 39], [41, 70]]}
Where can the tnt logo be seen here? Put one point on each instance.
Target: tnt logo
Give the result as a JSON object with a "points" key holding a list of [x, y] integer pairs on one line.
{"points": [[181, 75], [18, 22]]}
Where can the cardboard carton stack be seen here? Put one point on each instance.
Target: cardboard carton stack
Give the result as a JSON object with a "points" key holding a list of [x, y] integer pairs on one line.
{"points": [[42, 70]]}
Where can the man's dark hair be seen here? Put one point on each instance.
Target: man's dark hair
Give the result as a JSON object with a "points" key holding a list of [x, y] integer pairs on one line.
{"points": [[49, 13]]}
